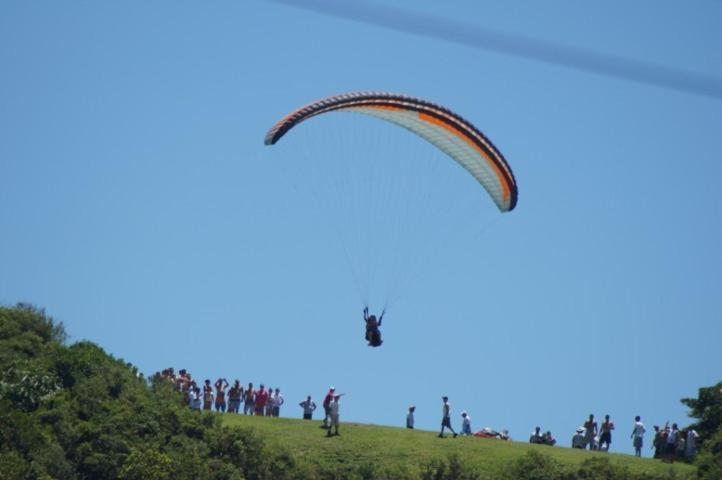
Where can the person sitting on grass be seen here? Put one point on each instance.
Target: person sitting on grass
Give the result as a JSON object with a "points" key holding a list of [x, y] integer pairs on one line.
{"points": [[578, 439], [548, 439], [536, 437]]}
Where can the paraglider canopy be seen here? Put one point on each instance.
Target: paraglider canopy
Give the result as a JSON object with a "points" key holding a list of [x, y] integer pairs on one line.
{"points": [[449, 132]]}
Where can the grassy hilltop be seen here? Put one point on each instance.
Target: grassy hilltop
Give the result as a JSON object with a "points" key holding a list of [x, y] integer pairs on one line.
{"points": [[399, 450], [74, 412]]}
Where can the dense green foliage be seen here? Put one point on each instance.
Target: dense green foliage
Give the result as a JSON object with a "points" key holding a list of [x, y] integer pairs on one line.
{"points": [[707, 409], [75, 412]]}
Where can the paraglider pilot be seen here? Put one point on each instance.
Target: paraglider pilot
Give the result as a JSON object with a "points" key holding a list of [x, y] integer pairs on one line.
{"points": [[373, 334]]}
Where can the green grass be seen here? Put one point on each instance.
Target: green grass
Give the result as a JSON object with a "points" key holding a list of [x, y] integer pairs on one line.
{"points": [[393, 448]]}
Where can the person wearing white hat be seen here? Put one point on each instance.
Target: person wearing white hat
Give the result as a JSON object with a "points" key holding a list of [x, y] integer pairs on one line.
{"points": [[578, 440], [465, 424]]}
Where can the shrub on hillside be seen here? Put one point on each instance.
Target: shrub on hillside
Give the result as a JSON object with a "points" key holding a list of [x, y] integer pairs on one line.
{"points": [[451, 468], [709, 462], [535, 466]]}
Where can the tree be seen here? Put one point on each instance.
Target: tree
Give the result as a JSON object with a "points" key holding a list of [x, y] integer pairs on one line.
{"points": [[707, 409]]}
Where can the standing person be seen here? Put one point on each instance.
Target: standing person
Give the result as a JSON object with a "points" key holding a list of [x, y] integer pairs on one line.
{"points": [[249, 400], [221, 385], [638, 436], [333, 413], [269, 403], [605, 437], [326, 403], [308, 406], [187, 384], [690, 449], [260, 397], [681, 445], [446, 418], [410, 417], [590, 427], [235, 394], [465, 424], [180, 380], [195, 398], [658, 443], [277, 402], [207, 395], [672, 439]]}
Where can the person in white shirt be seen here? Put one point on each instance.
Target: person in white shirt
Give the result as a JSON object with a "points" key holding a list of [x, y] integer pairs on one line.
{"points": [[333, 413], [690, 448], [638, 435], [410, 417], [195, 398], [672, 435], [465, 424], [446, 418], [277, 402], [308, 406]]}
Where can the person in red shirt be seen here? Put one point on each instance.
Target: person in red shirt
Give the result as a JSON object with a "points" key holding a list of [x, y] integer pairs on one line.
{"points": [[326, 403], [261, 398]]}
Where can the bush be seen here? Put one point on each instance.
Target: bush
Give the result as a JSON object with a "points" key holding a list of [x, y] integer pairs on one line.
{"points": [[535, 466], [450, 469], [146, 464], [709, 462], [12, 466]]}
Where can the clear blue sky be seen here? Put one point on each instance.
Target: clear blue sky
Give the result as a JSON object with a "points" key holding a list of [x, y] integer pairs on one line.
{"points": [[139, 206]]}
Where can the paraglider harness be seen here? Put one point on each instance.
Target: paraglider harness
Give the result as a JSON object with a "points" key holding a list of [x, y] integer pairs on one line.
{"points": [[373, 334]]}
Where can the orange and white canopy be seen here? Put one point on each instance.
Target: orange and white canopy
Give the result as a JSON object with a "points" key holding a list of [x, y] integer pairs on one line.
{"points": [[452, 134]]}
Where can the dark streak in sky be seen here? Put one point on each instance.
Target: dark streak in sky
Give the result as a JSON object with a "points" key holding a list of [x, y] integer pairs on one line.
{"points": [[474, 36]]}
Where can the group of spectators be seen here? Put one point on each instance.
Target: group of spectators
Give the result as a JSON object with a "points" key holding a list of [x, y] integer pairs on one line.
{"points": [[225, 397], [263, 401], [670, 443], [545, 438], [590, 435]]}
